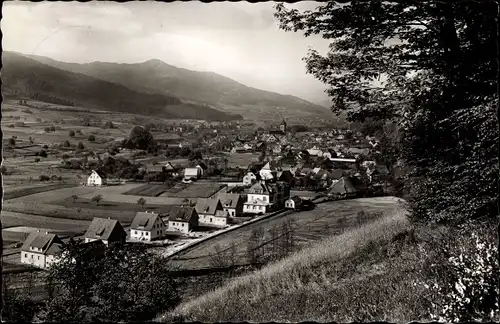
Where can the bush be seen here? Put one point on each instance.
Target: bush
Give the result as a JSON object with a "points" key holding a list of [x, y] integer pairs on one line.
{"points": [[71, 133], [467, 289], [109, 124], [80, 146], [44, 178], [91, 138], [43, 153]]}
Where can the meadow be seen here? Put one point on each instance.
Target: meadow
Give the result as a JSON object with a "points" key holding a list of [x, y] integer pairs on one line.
{"points": [[331, 218]]}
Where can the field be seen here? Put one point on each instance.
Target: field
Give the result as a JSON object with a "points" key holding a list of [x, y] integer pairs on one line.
{"points": [[241, 159], [340, 278], [179, 190], [326, 219]]}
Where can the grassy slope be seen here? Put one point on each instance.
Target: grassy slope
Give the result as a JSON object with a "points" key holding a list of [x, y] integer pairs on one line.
{"points": [[348, 277]]}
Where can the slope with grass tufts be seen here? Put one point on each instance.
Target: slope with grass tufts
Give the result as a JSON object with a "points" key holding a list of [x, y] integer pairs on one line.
{"points": [[356, 276]]}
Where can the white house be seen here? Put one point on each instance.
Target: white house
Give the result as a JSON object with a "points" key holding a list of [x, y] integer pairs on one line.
{"points": [[211, 212], [260, 199], [192, 173], [182, 219], [147, 226], [293, 203], [96, 178], [249, 178], [41, 249]]}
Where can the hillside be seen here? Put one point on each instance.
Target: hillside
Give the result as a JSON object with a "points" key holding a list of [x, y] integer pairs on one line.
{"points": [[223, 93], [25, 77], [354, 276]]}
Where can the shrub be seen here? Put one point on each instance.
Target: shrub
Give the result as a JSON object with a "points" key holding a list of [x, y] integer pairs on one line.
{"points": [[44, 178], [469, 290], [66, 144], [109, 124], [43, 153], [80, 146], [71, 133], [91, 138], [12, 141]]}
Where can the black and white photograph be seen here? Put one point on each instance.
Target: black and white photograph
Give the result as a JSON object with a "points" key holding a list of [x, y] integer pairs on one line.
{"points": [[288, 162]]}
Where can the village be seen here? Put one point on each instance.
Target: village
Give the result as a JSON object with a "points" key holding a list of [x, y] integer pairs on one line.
{"points": [[288, 171]]}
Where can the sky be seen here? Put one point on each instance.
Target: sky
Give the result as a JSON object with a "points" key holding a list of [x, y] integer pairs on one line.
{"points": [[239, 40]]}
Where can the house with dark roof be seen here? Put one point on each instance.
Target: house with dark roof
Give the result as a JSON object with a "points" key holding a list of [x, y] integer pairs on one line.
{"points": [[207, 209], [109, 231], [183, 219], [343, 188], [147, 226], [286, 176], [232, 203], [41, 249], [97, 178]]}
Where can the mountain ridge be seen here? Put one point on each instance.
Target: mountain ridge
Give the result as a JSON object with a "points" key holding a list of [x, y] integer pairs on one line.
{"points": [[154, 76], [25, 77]]}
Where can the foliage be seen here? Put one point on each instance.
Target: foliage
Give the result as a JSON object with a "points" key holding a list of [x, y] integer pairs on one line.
{"points": [[71, 133], [97, 199], [140, 139], [18, 309], [80, 146], [469, 291], [109, 124], [125, 283], [75, 274], [43, 153], [141, 201], [44, 177], [12, 141], [91, 138]]}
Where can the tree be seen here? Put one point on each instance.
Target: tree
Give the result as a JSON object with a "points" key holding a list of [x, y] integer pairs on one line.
{"points": [[75, 273], [140, 139], [97, 199], [437, 62], [134, 285], [31, 140], [91, 138], [12, 141], [109, 124], [75, 197], [80, 146], [65, 157], [141, 201], [72, 133], [66, 143], [43, 153]]}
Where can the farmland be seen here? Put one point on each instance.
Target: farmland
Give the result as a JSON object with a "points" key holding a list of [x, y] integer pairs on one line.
{"points": [[331, 218], [179, 190]]}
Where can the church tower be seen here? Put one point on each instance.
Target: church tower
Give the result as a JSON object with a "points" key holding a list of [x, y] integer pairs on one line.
{"points": [[283, 126]]}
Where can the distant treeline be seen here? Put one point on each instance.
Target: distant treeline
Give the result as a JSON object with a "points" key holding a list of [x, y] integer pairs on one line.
{"points": [[51, 99]]}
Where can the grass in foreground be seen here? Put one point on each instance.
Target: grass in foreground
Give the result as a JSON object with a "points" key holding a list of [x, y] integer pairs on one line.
{"points": [[360, 275]]}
